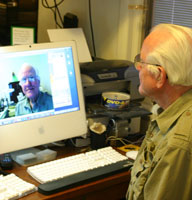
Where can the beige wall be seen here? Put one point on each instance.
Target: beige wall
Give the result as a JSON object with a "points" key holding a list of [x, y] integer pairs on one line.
{"points": [[46, 17], [117, 29]]}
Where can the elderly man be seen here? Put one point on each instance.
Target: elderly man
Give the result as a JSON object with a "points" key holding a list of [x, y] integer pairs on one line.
{"points": [[163, 167], [35, 100]]}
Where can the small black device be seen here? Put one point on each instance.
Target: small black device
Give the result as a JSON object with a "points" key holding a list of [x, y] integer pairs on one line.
{"points": [[6, 161], [70, 21]]}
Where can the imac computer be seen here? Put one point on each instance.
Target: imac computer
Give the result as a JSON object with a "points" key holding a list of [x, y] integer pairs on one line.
{"points": [[57, 75]]}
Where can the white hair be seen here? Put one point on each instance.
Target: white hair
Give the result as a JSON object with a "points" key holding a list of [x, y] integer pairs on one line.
{"points": [[25, 65], [174, 54]]}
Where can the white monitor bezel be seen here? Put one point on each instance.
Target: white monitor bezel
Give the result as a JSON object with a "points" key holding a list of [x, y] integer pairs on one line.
{"points": [[41, 131]]}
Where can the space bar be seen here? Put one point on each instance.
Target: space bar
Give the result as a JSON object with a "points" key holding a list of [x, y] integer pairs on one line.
{"points": [[83, 177]]}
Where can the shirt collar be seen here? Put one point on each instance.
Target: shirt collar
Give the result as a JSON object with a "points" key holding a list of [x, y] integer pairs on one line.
{"points": [[27, 104], [172, 113]]}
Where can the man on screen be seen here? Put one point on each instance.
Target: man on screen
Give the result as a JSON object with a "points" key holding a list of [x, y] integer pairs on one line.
{"points": [[34, 100]]}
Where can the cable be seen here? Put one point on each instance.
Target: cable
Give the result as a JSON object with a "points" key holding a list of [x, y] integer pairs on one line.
{"points": [[123, 140], [47, 6], [113, 138], [58, 11], [91, 27], [55, 10]]}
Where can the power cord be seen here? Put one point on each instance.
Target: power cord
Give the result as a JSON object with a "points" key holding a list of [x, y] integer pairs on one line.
{"points": [[55, 10], [123, 140], [91, 27]]}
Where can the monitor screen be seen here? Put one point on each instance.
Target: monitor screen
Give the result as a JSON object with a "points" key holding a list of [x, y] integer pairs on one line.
{"points": [[41, 97]]}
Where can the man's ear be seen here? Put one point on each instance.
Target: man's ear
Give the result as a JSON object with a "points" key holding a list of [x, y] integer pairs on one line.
{"points": [[162, 77]]}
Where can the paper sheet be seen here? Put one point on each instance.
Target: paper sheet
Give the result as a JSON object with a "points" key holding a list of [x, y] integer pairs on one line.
{"points": [[22, 35], [76, 34], [132, 154]]}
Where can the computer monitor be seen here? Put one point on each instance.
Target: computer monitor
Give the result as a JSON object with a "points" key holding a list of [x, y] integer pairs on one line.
{"points": [[57, 69]]}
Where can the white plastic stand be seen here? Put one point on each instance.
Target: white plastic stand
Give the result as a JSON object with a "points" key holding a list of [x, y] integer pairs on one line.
{"points": [[33, 156]]}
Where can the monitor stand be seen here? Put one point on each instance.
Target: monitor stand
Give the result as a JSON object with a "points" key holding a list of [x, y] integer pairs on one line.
{"points": [[33, 156]]}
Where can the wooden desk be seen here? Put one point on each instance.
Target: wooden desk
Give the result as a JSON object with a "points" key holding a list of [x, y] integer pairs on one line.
{"points": [[113, 187]]}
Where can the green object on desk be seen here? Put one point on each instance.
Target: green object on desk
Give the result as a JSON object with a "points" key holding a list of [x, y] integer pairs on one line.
{"points": [[11, 111]]}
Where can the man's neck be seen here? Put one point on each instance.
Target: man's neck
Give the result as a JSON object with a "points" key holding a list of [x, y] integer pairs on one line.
{"points": [[172, 93], [33, 101]]}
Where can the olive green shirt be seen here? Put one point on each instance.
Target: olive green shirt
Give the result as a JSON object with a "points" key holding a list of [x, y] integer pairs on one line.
{"points": [[163, 167]]}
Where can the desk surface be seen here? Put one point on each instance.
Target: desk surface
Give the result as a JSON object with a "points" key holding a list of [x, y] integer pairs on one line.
{"points": [[113, 187]]}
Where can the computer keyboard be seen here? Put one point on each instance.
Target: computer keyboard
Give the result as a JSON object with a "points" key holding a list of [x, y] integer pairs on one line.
{"points": [[75, 170], [12, 187]]}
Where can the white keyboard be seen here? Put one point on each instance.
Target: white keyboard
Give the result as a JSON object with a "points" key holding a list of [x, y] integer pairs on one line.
{"points": [[57, 169], [12, 187]]}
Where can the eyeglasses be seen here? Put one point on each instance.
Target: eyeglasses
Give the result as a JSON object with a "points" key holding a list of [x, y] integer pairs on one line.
{"points": [[138, 62], [24, 80]]}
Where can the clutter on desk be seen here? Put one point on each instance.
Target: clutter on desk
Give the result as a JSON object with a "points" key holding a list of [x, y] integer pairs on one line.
{"points": [[130, 150], [98, 128], [132, 154], [33, 156], [110, 75], [129, 147], [97, 135], [114, 100]]}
